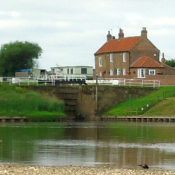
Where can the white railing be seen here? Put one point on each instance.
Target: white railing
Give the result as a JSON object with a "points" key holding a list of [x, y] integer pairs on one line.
{"points": [[138, 82], [126, 82], [52, 80], [67, 77]]}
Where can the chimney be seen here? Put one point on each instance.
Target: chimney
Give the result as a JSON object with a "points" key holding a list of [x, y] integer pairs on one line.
{"points": [[120, 34], [163, 60], [109, 36], [144, 32]]}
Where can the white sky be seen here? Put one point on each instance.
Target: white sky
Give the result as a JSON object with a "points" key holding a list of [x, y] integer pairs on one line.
{"points": [[71, 31]]}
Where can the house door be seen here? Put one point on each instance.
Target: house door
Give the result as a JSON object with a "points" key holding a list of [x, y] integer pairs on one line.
{"points": [[141, 73]]}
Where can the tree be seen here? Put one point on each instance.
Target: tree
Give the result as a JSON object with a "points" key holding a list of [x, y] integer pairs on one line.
{"points": [[170, 62], [18, 55]]}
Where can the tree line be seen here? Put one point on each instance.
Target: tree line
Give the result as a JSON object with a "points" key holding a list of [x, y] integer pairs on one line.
{"points": [[18, 55]]}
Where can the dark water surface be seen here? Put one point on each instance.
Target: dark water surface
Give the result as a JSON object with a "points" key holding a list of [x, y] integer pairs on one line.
{"points": [[123, 145]]}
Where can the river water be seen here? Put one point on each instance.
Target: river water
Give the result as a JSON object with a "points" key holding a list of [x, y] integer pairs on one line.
{"points": [[122, 145]]}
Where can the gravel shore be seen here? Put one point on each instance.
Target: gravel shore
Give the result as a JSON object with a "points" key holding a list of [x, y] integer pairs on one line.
{"points": [[11, 169]]}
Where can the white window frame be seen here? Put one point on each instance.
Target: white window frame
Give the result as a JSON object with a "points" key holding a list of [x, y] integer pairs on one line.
{"points": [[119, 71], [141, 73], [124, 71], [111, 72], [124, 57], [100, 61], [111, 57], [152, 72]]}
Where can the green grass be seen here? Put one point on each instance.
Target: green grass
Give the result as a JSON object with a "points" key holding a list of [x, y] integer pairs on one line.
{"points": [[141, 105], [17, 101], [163, 108]]}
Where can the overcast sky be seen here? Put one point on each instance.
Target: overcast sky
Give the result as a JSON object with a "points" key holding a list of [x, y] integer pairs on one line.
{"points": [[71, 31]]}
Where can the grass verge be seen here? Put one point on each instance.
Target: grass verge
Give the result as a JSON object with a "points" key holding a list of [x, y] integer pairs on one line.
{"points": [[140, 105], [17, 101], [163, 108]]}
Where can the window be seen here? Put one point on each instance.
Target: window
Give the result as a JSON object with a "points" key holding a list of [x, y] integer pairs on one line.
{"points": [[124, 71], [141, 73], [71, 71], [83, 70], [124, 57], [100, 62], [119, 71], [100, 74], [68, 71], [152, 72], [111, 72], [111, 57]]}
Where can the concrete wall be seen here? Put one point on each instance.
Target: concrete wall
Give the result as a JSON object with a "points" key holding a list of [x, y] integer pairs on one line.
{"points": [[108, 96], [81, 100]]}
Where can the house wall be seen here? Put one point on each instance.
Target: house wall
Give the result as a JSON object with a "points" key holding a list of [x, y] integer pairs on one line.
{"points": [[106, 66], [168, 70], [144, 48], [133, 72]]}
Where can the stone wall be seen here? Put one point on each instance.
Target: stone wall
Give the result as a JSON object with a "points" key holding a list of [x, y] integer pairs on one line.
{"points": [[80, 101], [108, 96]]}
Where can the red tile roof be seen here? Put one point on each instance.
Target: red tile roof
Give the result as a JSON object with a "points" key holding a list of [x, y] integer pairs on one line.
{"points": [[146, 62], [119, 45]]}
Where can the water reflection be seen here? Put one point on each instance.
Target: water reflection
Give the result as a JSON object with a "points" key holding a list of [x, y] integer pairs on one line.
{"points": [[123, 145]]}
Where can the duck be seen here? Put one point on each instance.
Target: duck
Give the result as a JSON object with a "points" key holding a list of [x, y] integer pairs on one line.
{"points": [[144, 166]]}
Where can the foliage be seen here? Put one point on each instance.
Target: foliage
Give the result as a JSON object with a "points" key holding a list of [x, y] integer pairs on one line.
{"points": [[170, 62], [16, 101], [18, 55], [141, 105]]}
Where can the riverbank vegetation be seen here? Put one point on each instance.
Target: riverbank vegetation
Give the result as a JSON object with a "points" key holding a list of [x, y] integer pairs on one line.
{"points": [[16, 101], [139, 106]]}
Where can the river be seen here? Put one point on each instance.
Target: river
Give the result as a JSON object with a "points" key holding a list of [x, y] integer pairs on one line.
{"points": [[117, 144]]}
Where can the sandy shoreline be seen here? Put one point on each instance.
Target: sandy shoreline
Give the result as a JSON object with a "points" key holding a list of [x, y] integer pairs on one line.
{"points": [[13, 169]]}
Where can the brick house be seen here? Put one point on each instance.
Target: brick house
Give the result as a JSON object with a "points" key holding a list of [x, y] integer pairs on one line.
{"points": [[130, 57]]}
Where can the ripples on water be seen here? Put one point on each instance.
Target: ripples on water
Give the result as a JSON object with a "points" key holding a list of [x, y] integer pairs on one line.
{"points": [[123, 145]]}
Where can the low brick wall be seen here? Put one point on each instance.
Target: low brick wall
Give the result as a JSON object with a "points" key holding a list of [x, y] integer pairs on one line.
{"points": [[164, 79]]}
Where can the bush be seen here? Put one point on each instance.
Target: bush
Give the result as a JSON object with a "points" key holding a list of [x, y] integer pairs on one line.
{"points": [[16, 101]]}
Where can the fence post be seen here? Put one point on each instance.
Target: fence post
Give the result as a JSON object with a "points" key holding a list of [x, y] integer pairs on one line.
{"points": [[28, 82], [154, 84], [124, 82]]}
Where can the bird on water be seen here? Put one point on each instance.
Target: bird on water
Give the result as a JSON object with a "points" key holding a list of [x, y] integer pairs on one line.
{"points": [[144, 166]]}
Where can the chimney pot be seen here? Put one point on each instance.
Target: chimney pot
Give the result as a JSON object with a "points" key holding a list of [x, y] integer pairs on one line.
{"points": [[109, 36], [120, 34], [144, 32]]}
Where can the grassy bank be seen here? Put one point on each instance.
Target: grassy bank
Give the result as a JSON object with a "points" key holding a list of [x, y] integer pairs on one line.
{"points": [[141, 105], [17, 101], [163, 108]]}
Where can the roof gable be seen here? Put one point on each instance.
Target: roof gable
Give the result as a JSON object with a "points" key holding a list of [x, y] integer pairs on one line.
{"points": [[119, 45], [146, 62]]}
